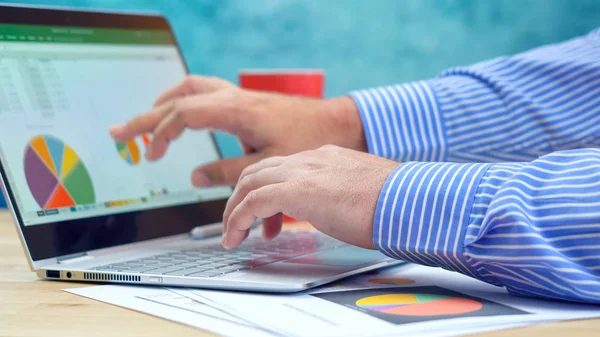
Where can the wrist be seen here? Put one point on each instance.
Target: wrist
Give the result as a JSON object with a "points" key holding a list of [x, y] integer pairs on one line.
{"points": [[345, 120]]}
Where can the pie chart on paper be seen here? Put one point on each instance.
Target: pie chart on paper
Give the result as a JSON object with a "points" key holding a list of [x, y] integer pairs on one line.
{"points": [[419, 304], [55, 174]]}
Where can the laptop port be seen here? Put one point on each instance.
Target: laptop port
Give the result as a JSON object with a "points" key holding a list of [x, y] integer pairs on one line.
{"points": [[52, 273]]}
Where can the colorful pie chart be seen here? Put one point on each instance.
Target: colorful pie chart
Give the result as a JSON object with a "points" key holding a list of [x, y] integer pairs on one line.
{"points": [[419, 304], [55, 174], [129, 151]]}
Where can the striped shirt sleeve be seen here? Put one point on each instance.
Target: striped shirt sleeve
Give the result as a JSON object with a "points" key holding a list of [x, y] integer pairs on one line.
{"points": [[507, 109], [500, 174]]}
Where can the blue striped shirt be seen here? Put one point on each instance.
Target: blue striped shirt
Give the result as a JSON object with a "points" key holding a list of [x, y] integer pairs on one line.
{"points": [[501, 173]]}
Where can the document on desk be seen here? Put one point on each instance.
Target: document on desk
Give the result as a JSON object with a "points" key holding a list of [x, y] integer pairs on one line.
{"points": [[171, 305], [187, 307], [408, 300], [411, 300], [298, 330]]}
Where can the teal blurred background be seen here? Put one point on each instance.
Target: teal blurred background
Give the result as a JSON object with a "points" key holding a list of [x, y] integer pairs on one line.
{"points": [[359, 43]]}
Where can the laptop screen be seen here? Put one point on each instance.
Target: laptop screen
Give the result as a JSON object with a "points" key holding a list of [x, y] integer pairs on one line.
{"points": [[61, 87]]}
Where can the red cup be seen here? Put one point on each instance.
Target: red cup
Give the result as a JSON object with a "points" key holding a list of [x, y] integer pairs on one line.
{"points": [[302, 82]]}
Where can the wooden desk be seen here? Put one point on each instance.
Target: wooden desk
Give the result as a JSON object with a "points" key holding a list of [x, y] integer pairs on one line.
{"points": [[31, 307]]}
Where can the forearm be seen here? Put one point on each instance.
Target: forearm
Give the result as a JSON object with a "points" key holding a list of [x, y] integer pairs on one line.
{"points": [[507, 109], [530, 227], [343, 115]]}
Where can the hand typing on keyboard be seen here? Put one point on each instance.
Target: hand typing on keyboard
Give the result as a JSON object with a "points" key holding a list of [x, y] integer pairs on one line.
{"points": [[333, 188]]}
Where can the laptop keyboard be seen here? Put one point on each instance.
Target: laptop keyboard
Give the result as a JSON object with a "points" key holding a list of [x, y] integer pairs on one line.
{"points": [[214, 260]]}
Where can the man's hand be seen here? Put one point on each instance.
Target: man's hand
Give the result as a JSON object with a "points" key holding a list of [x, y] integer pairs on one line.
{"points": [[333, 188], [266, 124]]}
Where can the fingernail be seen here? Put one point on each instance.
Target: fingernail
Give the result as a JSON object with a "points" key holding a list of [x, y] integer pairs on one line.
{"points": [[214, 176], [200, 179], [224, 241], [116, 128]]}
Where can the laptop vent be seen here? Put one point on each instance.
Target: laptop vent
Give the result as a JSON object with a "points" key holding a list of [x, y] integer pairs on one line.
{"points": [[111, 277]]}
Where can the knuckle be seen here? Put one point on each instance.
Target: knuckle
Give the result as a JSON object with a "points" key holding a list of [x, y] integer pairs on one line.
{"points": [[228, 94], [245, 171], [174, 108], [230, 101], [250, 168], [329, 148], [309, 152], [271, 161], [180, 111], [174, 123], [281, 160], [177, 113], [216, 83], [178, 106], [291, 161], [214, 80], [253, 198], [246, 181], [234, 98], [189, 82], [299, 159]]}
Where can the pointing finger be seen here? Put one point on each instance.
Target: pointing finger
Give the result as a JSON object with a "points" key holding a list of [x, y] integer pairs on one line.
{"points": [[141, 124], [212, 111], [192, 85]]}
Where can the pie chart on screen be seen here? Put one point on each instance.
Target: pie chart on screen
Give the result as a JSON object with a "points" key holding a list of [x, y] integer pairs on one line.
{"points": [[129, 151], [419, 304], [56, 175]]}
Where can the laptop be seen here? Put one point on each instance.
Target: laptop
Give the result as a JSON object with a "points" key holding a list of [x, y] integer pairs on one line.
{"points": [[90, 209]]}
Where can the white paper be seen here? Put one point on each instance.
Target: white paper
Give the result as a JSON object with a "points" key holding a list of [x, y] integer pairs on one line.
{"points": [[309, 314], [170, 305], [190, 293]]}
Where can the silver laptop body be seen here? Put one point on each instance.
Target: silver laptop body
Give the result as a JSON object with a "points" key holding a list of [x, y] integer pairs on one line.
{"points": [[89, 209]]}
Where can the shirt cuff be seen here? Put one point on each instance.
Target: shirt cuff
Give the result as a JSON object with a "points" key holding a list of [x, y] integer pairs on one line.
{"points": [[423, 213], [402, 122]]}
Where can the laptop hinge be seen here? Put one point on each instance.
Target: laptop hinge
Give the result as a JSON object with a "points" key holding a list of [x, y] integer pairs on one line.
{"points": [[74, 258]]}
